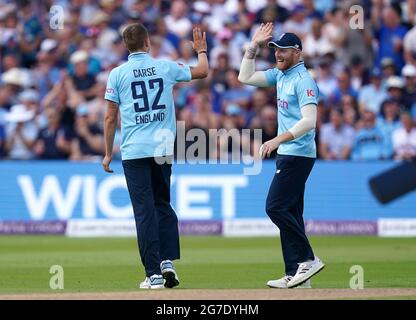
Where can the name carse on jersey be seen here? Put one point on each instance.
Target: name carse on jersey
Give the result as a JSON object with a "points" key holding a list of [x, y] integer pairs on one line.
{"points": [[148, 72]]}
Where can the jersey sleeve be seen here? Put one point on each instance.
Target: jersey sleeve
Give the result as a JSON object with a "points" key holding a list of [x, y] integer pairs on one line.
{"points": [[307, 91], [271, 76], [179, 72], [111, 92]]}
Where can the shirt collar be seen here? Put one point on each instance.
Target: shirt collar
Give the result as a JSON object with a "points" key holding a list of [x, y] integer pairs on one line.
{"points": [[294, 68], [137, 55]]}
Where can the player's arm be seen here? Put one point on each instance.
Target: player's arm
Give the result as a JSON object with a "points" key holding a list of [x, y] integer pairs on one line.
{"points": [[307, 123], [248, 73], [304, 125], [199, 44], [110, 125]]}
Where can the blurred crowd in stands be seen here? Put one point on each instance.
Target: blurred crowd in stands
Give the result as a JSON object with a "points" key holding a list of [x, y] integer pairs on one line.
{"points": [[53, 73]]}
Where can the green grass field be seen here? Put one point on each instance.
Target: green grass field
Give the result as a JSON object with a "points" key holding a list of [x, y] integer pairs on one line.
{"points": [[103, 264]]}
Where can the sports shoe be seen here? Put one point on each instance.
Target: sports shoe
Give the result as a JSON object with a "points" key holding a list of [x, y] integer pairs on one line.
{"points": [[306, 270], [282, 283], [153, 282], [169, 274]]}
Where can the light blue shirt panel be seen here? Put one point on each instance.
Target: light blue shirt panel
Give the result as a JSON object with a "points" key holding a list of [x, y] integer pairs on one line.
{"points": [[295, 89], [142, 87]]}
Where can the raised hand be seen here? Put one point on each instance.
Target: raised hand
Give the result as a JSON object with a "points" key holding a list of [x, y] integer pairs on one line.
{"points": [[262, 34], [200, 40]]}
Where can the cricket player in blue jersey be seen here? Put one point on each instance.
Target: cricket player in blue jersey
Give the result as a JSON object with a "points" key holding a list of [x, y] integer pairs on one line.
{"points": [[297, 99], [141, 90]]}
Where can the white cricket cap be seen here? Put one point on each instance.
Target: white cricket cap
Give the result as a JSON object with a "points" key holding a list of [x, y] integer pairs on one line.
{"points": [[16, 76], [409, 70], [48, 45], [19, 113], [79, 56], [395, 82]]}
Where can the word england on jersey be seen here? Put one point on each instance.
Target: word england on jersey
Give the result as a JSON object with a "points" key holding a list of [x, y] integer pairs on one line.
{"points": [[147, 118]]}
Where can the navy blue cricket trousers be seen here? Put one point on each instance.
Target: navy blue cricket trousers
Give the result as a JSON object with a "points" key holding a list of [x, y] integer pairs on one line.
{"points": [[284, 206], [148, 184]]}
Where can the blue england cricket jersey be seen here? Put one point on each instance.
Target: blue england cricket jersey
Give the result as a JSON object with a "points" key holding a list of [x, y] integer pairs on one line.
{"points": [[142, 88], [295, 89]]}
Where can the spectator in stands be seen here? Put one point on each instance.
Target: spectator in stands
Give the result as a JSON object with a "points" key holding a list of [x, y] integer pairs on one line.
{"points": [[388, 122], [161, 49], [350, 112], [281, 13], [359, 73], [409, 92], [335, 27], [237, 92], [355, 42], [219, 78], [316, 43], [45, 73], [95, 57], [326, 81], [115, 11], [395, 86], [233, 141], [409, 44], [372, 95], [298, 23], [88, 142], [147, 11], [370, 142], [408, 8], [390, 37], [336, 138], [240, 21], [343, 87], [14, 81], [31, 33], [388, 68], [21, 133], [100, 28], [268, 126], [68, 39], [259, 100], [10, 32], [82, 80], [96, 111], [404, 139], [310, 10], [171, 41], [65, 99], [177, 21], [30, 99], [226, 44], [186, 54], [54, 141], [202, 17], [5, 101], [9, 62], [203, 117]]}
